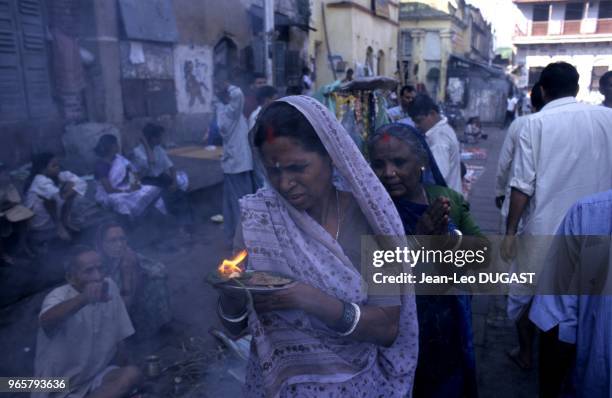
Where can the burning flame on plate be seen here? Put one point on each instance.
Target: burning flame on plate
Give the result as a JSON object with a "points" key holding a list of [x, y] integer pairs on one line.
{"points": [[231, 268]]}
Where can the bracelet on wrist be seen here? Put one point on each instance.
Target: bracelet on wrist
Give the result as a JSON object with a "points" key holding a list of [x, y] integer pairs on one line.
{"points": [[356, 319], [459, 236], [351, 313]]}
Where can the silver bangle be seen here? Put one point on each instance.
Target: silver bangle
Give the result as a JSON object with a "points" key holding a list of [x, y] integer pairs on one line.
{"points": [[355, 321], [459, 234], [226, 318]]}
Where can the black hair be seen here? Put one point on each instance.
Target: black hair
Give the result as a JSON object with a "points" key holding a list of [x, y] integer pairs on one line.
{"points": [[72, 257], [537, 102], [104, 145], [408, 87], [40, 162], [305, 70], [283, 120], [473, 119], [422, 105], [265, 92], [606, 76], [559, 79], [350, 71], [294, 90], [256, 76], [152, 130]]}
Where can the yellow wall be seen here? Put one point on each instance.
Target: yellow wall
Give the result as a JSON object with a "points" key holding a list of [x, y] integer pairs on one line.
{"points": [[453, 40], [350, 31]]}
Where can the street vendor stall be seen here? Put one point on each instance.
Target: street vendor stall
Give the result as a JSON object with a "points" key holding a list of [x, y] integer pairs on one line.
{"points": [[360, 105]]}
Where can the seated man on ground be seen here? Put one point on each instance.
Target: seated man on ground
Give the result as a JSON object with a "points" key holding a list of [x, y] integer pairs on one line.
{"points": [[82, 325], [51, 195], [155, 168]]}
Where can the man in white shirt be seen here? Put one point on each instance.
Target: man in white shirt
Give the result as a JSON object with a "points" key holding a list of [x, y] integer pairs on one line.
{"points": [[399, 114], [307, 83], [511, 104], [440, 137], [522, 354], [82, 327], [237, 160], [564, 153], [506, 156]]}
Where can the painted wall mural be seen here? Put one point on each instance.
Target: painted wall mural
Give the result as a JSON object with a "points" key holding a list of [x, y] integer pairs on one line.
{"points": [[193, 73]]}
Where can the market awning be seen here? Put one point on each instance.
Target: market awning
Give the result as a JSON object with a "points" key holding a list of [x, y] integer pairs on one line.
{"points": [[460, 61]]}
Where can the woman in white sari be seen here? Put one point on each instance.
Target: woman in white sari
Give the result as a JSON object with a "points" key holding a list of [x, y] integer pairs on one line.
{"points": [[326, 335], [118, 188]]}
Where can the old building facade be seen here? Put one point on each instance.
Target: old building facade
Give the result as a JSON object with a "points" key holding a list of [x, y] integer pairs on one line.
{"points": [[578, 32], [360, 35], [69, 63], [434, 31]]}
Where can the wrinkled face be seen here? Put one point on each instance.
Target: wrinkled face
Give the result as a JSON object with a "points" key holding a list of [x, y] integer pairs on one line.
{"points": [[88, 269], [114, 242], [407, 98], [397, 167], [301, 176], [426, 122], [606, 88], [259, 82], [53, 168]]}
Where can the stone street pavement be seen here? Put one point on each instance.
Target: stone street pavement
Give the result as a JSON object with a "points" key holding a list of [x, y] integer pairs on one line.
{"points": [[494, 334]]}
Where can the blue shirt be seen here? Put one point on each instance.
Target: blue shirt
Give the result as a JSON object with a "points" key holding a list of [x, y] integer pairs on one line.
{"points": [[585, 321]]}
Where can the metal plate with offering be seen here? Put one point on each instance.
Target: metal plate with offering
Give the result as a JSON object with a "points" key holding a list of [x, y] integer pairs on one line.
{"points": [[232, 275]]}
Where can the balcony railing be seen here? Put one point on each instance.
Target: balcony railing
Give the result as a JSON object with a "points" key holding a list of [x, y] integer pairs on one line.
{"points": [[539, 28], [604, 25], [571, 27]]}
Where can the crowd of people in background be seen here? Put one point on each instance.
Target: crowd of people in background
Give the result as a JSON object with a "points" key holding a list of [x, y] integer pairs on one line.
{"points": [[316, 196]]}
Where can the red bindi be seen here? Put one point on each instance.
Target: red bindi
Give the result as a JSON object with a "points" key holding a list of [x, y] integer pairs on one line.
{"points": [[270, 136], [386, 137]]}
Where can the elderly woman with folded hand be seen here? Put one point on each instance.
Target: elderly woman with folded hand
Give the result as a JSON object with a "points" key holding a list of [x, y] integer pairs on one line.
{"points": [[324, 335], [402, 160]]}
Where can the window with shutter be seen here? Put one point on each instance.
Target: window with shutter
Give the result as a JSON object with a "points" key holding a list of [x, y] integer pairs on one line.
{"points": [[12, 93], [34, 58], [25, 86]]}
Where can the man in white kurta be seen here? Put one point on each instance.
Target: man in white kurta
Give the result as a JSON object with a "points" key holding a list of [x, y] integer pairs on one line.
{"points": [[237, 160], [82, 323], [440, 137], [506, 156], [564, 153]]}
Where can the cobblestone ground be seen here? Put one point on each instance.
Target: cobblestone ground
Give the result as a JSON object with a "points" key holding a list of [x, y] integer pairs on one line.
{"points": [[494, 334]]}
